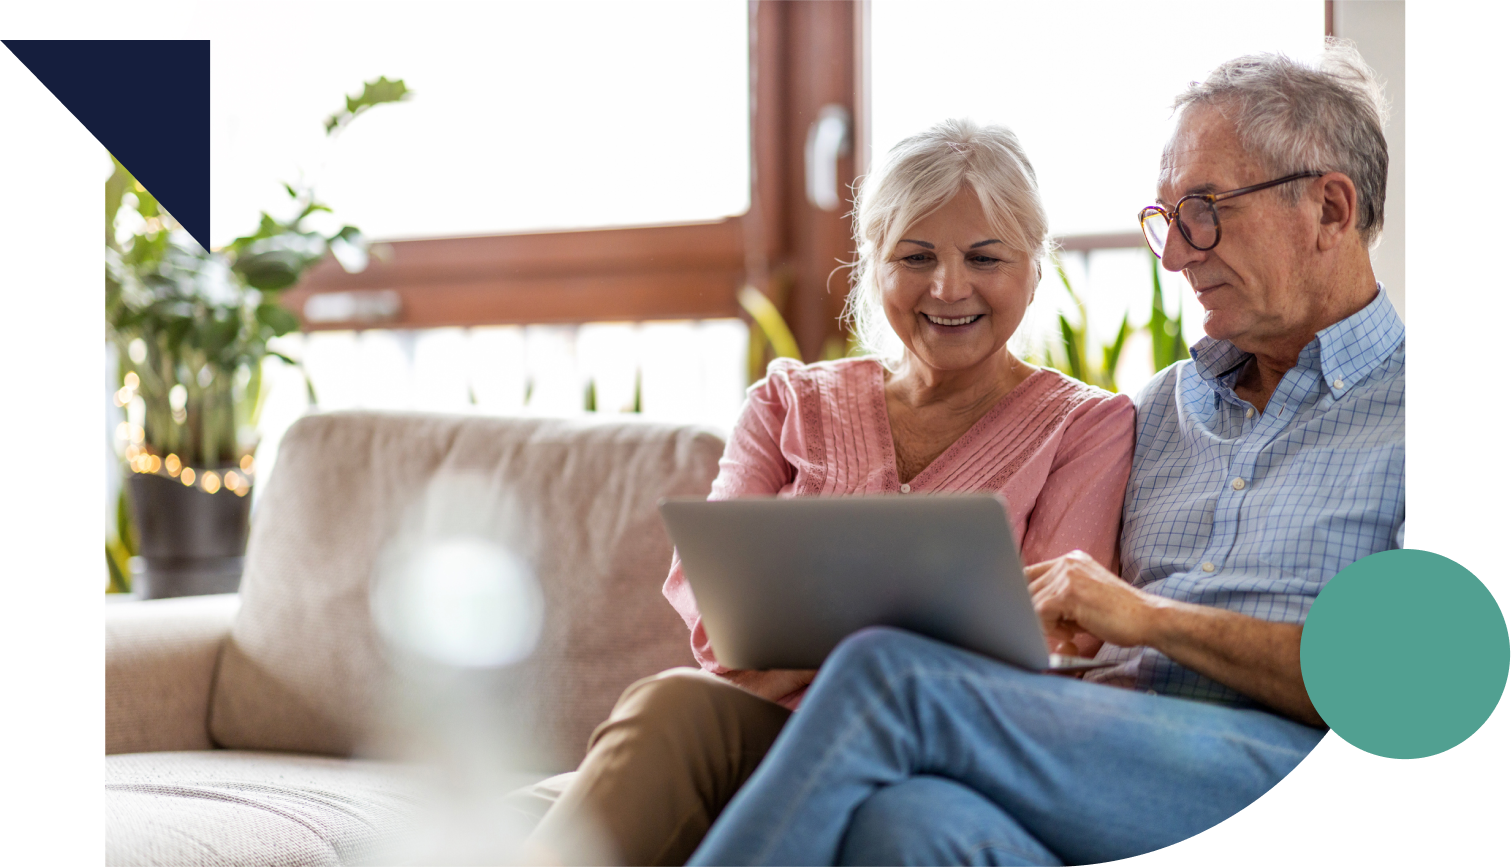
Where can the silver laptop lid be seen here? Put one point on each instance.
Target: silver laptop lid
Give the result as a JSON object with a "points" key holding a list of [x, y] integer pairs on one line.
{"points": [[781, 581]]}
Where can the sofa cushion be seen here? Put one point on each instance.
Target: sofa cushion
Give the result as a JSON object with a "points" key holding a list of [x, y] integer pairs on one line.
{"points": [[304, 669], [221, 807]]}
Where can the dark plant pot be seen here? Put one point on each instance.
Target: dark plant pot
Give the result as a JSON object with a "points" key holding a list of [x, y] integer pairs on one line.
{"points": [[192, 542]]}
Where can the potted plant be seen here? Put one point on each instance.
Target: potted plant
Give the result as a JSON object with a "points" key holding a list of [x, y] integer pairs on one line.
{"points": [[191, 329]]}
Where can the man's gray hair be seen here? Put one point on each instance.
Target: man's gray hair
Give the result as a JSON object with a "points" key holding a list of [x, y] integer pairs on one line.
{"points": [[1328, 116]]}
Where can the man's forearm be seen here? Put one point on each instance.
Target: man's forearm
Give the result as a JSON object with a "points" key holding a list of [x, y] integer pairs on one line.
{"points": [[1258, 658]]}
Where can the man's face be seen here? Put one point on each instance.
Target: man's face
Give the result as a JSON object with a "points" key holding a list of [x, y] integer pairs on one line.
{"points": [[1254, 284]]}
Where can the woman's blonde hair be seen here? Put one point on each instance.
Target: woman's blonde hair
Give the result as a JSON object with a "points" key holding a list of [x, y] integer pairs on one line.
{"points": [[921, 174]]}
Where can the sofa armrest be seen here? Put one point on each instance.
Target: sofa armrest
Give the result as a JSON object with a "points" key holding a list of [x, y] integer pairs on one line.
{"points": [[160, 658]]}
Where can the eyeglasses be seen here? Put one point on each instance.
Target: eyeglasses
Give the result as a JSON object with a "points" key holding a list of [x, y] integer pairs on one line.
{"points": [[1196, 216]]}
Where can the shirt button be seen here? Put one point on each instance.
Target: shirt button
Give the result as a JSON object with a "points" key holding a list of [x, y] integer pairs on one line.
{"points": [[1248, 413], [1209, 566], [907, 489], [1238, 484], [1338, 383]]}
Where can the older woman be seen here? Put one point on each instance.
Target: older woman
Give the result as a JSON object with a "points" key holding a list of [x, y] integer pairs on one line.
{"points": [[950, 234]]}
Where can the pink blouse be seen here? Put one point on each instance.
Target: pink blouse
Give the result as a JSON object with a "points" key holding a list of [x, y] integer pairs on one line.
{"points": [[1059, 452]]}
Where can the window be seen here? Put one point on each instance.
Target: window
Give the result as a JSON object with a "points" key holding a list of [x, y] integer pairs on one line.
{"points": [[525, 116]]}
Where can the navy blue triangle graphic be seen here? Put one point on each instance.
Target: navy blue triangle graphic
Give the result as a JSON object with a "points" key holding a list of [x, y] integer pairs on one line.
{"points": [[160, 132]]}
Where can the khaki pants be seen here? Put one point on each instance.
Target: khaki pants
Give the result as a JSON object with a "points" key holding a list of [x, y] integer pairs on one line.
{"points": [[672, 753]]}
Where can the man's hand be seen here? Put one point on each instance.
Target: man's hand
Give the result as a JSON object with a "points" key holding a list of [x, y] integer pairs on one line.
{"points": [[1075, 594], [773, 685]]}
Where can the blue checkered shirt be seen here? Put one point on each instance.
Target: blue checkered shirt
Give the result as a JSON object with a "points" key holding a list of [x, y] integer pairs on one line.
{"points": [[1255, 512]]}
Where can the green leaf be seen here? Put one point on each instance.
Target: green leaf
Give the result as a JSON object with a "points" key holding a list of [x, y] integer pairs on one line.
{"points": [[374, 93], [770, 322], [271, 270], [277, 318], [267, 227], [1072, 349], [1165, 334], [116, 186], [1111, 353], [311, 208], [1065, 281], [125, 530], [219, 334]]}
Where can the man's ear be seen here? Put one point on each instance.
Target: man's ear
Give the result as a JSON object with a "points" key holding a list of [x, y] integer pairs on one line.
{"points": [[1340, 209]]}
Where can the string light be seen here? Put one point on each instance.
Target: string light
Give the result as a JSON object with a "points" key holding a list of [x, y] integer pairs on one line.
{"points": [[142, 460], [131, 380]]}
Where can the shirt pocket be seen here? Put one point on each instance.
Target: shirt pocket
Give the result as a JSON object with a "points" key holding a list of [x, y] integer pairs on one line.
{"points": [[1333, 506]]}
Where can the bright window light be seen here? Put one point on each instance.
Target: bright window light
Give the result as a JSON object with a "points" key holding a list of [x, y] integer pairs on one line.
{"points": [[525, 116], [1086, 86]]}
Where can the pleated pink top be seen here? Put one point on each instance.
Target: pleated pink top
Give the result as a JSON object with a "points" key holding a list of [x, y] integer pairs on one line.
{"points": [[1058, 450]]}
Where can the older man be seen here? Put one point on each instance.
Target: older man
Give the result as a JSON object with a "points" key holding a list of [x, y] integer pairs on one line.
{"points": [[1263, 466]]}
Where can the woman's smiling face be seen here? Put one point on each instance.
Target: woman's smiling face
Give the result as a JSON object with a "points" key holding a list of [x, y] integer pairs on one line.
{"points": [[952, 290]]}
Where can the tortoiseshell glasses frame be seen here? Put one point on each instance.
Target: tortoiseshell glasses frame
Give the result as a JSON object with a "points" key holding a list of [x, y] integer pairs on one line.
{"points": [[1199, 209]]}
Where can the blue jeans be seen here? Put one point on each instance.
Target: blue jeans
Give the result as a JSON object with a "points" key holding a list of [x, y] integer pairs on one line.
{"points": [[910, 751]]}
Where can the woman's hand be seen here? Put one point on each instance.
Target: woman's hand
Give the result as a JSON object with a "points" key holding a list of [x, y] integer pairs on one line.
{"points": [[773, 685]]}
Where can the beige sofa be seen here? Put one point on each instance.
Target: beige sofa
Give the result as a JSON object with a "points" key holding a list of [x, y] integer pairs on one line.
{"points": [[251, 729]]}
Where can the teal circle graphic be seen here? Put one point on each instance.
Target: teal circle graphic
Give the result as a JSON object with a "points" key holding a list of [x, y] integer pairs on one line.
{"points": [[1405, 654]]}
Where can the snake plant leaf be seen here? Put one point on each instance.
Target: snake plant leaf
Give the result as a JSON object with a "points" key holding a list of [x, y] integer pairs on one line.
{"points": [[1111, 353], [1165, 333], [1073, 352], [770, 322]]}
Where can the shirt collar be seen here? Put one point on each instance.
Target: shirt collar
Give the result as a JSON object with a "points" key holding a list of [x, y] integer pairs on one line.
{"points": [[1344, 352]]}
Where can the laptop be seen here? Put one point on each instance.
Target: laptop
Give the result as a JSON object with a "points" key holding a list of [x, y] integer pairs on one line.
{"points": [[781, 581]]}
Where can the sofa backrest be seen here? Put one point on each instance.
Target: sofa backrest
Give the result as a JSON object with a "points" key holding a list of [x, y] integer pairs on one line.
{"points": [[305, 669]]}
